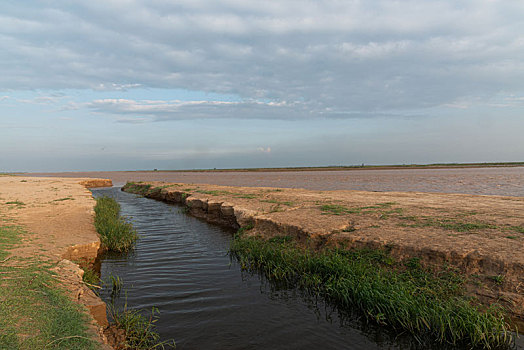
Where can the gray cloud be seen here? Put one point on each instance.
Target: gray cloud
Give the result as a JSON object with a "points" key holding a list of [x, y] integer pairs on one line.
{"points": [[159, 110], [310, 58], [132, 111]]}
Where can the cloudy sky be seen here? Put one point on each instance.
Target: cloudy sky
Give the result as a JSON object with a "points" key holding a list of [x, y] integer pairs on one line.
{"points": [[115, 85]]}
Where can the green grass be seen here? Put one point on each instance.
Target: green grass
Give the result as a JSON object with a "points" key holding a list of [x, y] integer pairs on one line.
{"points": [[139, 329], [337, 209], [19, 203], [519, 229], [137, 187], [498, 279], [448, 224], [116, 286], [34, 312], [213, 192], [9, 237], [91, 278], [334, 209], [115, 232], [401, 295], [274, 201], [64, 199]]}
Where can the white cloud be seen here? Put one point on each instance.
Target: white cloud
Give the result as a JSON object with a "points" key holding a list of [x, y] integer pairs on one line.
{"points": [[264, 150], [41, 100]]}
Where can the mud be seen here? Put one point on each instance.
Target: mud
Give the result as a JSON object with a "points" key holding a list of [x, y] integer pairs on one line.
{"points": [[58, 216], [483, 236]]}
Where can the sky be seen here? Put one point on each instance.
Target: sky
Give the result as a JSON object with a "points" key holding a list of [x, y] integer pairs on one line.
{"points": [[129, 85]]}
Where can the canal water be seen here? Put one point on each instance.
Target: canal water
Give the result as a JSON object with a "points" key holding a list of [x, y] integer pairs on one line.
{"points": [[181, 267]]}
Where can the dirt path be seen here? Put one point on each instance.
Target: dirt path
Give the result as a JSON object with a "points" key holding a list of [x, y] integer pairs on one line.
{"points": [[483, 236], [57, 214]]}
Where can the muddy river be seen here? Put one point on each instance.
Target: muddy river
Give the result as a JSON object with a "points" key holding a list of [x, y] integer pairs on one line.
{"points": [[505, 181]]}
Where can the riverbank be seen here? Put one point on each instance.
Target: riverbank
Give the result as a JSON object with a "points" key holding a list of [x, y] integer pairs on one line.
{"points": [[481, 236], [47, 223]]}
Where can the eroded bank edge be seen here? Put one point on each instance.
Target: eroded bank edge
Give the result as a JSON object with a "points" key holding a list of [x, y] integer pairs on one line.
{"points": [[75, 262]]}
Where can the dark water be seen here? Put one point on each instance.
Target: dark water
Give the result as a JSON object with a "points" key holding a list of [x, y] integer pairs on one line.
{"points": [[180, 266]]}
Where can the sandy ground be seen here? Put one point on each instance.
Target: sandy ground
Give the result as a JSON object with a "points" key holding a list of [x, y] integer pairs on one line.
{"points": [[504, 181], [58, 216], [481, 235], [59, 212]]}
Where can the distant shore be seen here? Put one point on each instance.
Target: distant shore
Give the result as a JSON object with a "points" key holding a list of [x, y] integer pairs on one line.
{"points": [[310, 168], [359, 167]]}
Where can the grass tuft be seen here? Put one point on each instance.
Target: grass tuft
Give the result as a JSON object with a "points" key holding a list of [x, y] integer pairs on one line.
{"points": [[91, 278], [19, 203], [115, 232], [337, 209], [402, 295], [139, 330], [64, 199]]}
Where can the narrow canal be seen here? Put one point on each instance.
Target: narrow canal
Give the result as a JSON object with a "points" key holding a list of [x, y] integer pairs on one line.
{"points": [[180, 266]]}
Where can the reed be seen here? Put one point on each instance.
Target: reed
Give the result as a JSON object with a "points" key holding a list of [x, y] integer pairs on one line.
{"points": [[115, 232], [399, 294]]}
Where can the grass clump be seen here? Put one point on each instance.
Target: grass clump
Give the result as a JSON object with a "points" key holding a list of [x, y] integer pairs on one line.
{"points": [[139, 330], [337, 209], [274, 201], [137, 187], [115, 232], [17, 202], [91, 278], [64, 199], [401, 295], [334, 209]]}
